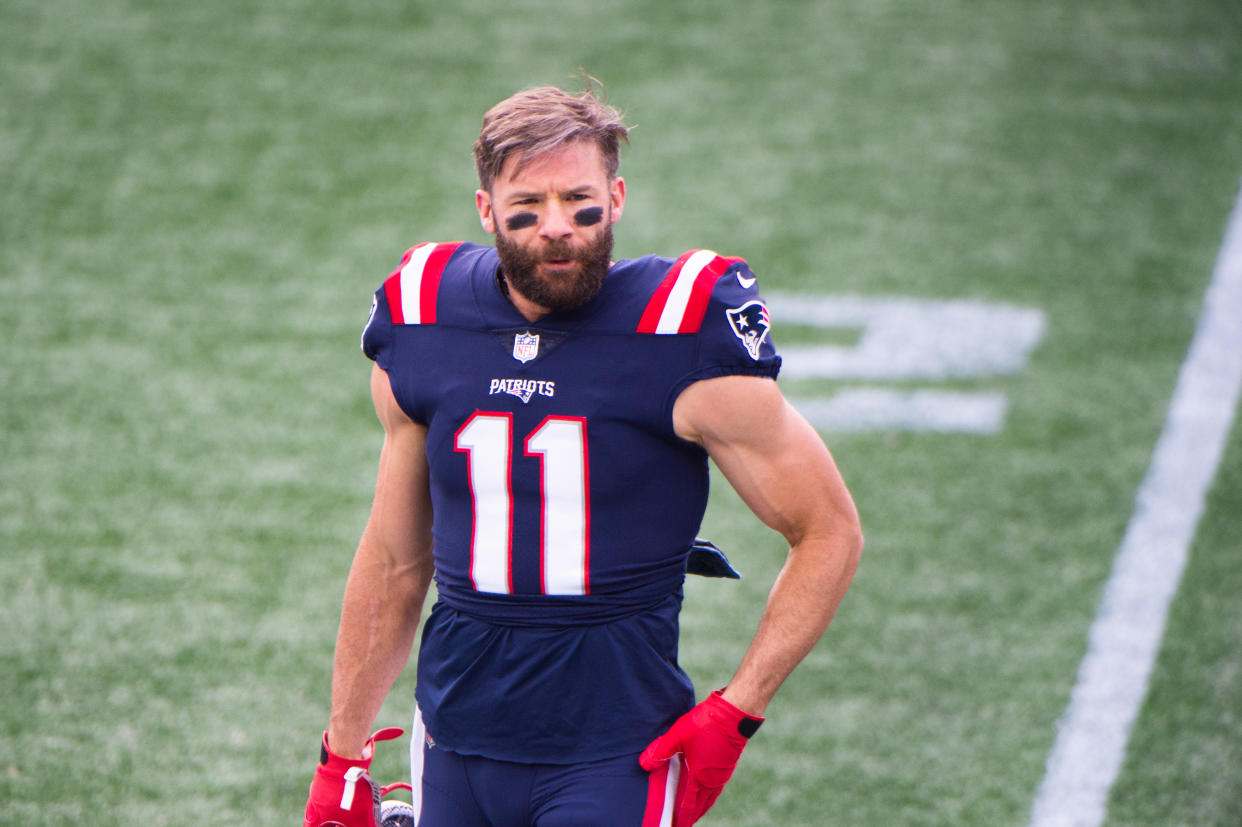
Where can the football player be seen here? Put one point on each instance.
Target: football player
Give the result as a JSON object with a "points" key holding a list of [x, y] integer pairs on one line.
{"points": [[548, 418]]}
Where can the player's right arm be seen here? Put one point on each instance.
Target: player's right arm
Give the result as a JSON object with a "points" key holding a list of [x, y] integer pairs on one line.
{"points": [[388, 579]]}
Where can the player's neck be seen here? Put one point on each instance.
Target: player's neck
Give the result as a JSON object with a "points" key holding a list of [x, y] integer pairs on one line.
{"points": [[530, 310]]}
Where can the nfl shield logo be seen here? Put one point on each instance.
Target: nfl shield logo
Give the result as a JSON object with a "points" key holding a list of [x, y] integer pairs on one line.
{"points": [[525, 346]]}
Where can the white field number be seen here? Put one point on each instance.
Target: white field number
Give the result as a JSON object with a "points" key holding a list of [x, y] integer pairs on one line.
{"points": [[906, 340]]}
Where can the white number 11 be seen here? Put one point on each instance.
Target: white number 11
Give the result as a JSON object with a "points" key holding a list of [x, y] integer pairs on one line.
{"points": [[560, 443]]}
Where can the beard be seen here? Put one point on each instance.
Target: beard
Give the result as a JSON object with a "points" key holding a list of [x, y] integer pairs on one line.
{"points": [[557, 290]]}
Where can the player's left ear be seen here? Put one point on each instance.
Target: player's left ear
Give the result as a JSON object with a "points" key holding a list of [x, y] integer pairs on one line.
{"points": [[483, 202], [616, 191]]}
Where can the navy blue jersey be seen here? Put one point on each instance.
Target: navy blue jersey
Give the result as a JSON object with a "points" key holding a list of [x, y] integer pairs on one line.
{"points": [[564, 503]]}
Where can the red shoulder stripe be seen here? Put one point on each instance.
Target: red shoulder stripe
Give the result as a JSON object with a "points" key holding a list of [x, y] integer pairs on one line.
{"points": [[651, 315], [680, 302], [696, 306], [431, 280], [413, 288], [392, 287]]}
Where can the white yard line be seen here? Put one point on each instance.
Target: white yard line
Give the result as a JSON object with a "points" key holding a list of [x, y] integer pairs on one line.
{"points": [[1125, 636]]}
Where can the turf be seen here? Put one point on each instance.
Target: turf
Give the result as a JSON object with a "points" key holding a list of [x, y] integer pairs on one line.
{"points": [[198, 200]]}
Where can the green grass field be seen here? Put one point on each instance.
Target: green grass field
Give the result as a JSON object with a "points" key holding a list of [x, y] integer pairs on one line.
{"points": [[197, 200]]}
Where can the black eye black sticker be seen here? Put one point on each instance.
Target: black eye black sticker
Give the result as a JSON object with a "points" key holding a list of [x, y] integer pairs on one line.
{"points": [[589, 216], [521, 221]]}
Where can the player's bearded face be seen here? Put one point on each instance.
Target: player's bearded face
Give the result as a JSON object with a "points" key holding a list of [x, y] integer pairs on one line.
{"points": [[561, 288]]}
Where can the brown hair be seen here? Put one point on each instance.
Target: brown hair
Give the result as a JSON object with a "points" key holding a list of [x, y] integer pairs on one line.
{"points": [[538, 120]]}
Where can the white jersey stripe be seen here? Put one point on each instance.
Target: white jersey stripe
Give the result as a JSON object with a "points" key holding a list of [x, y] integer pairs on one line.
{"points": [[418, 743], [412, 284], [670, 791], [679, 297]]}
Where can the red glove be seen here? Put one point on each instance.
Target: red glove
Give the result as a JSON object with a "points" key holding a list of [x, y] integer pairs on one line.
{"points": [[710, 739], [342, 792]]}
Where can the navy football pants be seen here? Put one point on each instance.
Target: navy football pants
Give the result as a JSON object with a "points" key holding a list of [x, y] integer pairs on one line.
{"points": [[470, 791]]}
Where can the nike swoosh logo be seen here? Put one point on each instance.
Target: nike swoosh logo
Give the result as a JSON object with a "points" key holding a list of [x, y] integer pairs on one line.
{"points": [[747, 283]]}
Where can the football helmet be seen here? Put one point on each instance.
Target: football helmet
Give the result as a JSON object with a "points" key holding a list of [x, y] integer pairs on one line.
{"points": [[394, 812]]}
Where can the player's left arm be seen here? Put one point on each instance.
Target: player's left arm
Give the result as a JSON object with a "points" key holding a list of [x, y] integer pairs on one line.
{"points": [[783, 471]]}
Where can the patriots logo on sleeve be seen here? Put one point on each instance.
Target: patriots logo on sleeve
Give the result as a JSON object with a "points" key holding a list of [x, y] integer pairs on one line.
{"points": [[751, 324]]}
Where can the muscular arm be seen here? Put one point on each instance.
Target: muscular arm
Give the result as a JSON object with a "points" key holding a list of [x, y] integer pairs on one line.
{"points": [[388, 579], [784, 473]]}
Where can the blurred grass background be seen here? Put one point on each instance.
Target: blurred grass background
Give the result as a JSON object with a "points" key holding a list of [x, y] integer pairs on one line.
{"points": [[198, 199]]}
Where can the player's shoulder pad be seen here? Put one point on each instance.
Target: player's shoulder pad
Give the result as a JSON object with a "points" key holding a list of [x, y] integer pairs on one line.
{"points": [[412, 289], [680, 302], [409, 296]]}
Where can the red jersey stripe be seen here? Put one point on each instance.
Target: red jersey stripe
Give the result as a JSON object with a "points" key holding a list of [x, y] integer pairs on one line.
{"points": [[665, 789], [680, 302], [696, 305], [430, 283], [412, 288], [655, 307], [392, 288]]}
